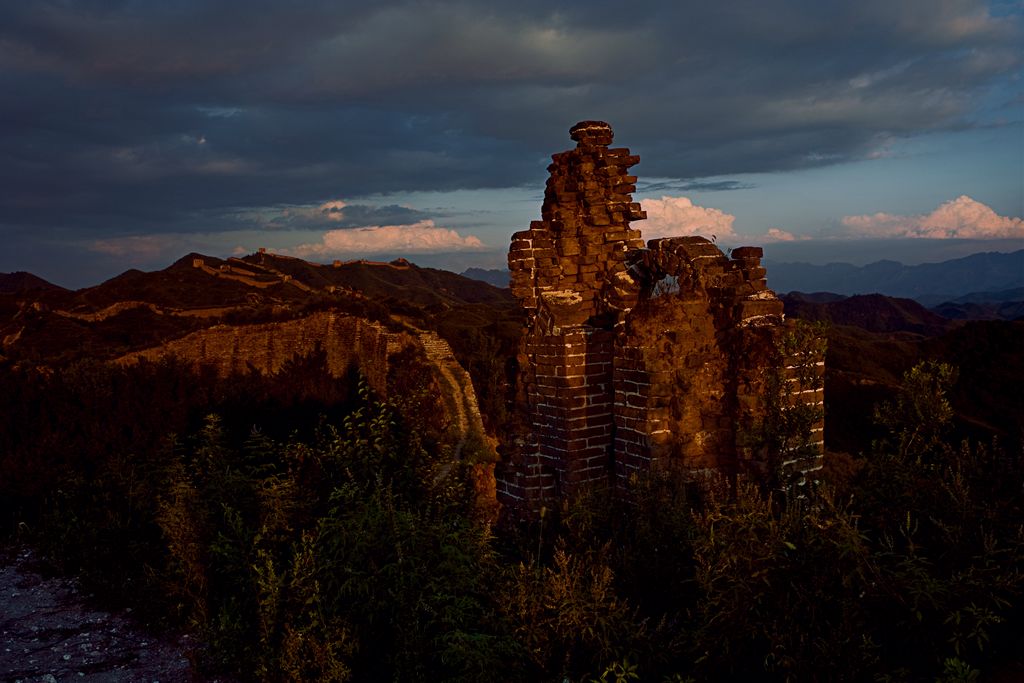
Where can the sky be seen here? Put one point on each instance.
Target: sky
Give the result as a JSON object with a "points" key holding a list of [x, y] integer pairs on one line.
{"points": [[134, 132]]}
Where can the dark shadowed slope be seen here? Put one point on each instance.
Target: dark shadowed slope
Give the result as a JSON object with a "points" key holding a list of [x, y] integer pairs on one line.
{"points": [[874, 339], [138, 309], [23, 282], [872, 312]]}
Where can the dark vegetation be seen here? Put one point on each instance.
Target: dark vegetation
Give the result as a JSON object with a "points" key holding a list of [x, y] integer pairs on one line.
{"points": [[307, 548], [873, 340], [307, 529]]}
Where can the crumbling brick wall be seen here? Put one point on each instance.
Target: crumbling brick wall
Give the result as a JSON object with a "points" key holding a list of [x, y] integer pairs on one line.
{"points": [[633, 356]]}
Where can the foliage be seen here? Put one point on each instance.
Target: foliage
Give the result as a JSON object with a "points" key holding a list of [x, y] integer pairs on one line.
{"points": [[920, 415], [342, 545], [568, 616], [381, 575]]}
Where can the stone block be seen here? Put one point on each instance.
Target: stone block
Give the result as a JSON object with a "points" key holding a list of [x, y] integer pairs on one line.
{"points": [[568, 247], [748, 253], [756, 307]]}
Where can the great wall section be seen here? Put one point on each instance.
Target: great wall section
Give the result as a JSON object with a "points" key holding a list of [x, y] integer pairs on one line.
{"points": [[266, 347], [637, 357], [346, 341]]}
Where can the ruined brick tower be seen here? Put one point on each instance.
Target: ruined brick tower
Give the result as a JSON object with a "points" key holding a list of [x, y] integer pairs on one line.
{"points": [[635, 356]]}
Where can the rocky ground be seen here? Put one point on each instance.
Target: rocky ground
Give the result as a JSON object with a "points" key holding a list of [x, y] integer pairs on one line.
{"points": [[51, 632]]}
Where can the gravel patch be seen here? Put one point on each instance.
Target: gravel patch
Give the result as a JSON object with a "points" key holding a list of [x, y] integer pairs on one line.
{"points": [[50, 633]]}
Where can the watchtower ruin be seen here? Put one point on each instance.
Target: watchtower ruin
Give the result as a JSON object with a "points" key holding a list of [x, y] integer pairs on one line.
{"points": [[637, 356]]}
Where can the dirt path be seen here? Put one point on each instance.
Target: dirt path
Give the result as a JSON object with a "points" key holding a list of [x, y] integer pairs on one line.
{"points": [[49, 633]]}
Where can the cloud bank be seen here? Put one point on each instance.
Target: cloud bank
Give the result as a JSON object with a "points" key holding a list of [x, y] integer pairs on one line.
{"points": [[121, 129], [960, 218], [125, 127], [678, 217], [418, 238]]}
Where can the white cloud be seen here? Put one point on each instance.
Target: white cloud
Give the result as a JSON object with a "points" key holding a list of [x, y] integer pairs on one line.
{"points": [[962, 218], [332, 210], [302, 216], [780, 235], [421, 237], [678, 217]]}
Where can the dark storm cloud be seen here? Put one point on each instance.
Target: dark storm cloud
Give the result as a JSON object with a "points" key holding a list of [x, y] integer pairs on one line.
{"points": [[127, 117], [330, 215], [691, 186]]}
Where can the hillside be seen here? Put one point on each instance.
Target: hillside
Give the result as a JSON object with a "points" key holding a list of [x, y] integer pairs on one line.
{"points": [[259, 311], [1006, 310], [22, 282], [871, 312], [1007, 304], [874, 339], [137, 310]]}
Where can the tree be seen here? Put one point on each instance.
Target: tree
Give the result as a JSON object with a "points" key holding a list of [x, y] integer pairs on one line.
{"points": [[920, 416]]}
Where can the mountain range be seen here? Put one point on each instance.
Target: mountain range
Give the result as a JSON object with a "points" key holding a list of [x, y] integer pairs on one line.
{"points": [[928, 283], [136, 312]]}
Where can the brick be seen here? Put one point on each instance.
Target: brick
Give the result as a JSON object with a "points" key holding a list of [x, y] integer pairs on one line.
{"points": [[660, 372], [748, 253]]}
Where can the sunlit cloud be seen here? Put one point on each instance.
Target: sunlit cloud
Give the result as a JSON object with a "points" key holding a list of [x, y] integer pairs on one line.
{"points": [[418, 238], [678, 217], [332, 210], [960, 218], [780, 235], [331, 214]]}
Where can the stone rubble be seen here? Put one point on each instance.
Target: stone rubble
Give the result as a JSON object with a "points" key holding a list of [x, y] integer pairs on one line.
{"points": [[50, 632]]}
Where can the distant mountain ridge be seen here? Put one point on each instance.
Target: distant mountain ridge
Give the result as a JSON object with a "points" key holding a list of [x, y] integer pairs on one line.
{"points": [[21, 281], [928, 283], [1001, 296], [499, 277]]}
